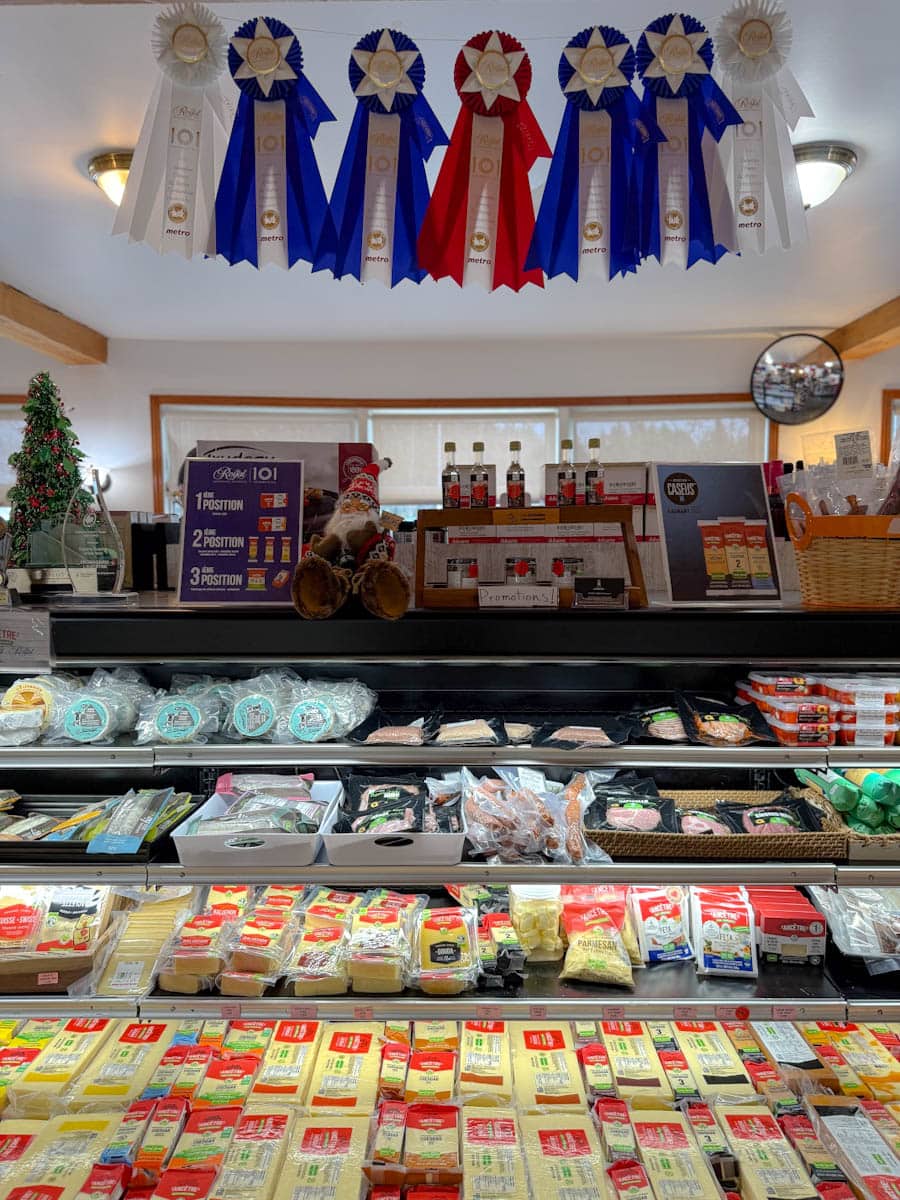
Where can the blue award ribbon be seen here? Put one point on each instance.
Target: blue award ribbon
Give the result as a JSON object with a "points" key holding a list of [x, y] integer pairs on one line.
{"points": [[266, 62], [387, 75]]}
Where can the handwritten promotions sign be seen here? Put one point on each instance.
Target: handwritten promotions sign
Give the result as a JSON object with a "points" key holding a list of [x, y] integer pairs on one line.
{"points": [[241, 531]]}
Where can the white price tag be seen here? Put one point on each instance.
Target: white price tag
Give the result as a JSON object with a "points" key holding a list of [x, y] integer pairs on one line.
{"points": [[613, 1012], [24, 640], [684, 1012], [489, 1012], [538, 1012], [229, 1012], [785, 1012], [853, 452], [363, 1012], [303, 1012]]}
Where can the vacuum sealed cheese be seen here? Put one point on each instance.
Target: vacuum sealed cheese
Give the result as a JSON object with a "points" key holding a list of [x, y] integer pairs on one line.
{"points": [[199, 946], [41, 1090], [324, 1160], [288, 1063], [770, 1168], [597, 1072], [795, 1056], [345, 1076], [431, 1152], [319, 962], [387, 1145], [248, 1037], [184, 1185], [845, 1129], [230, 901], [38, 1031], [14, 1062], [713, 1061], [876, 1067], [493, 1162], [379, 950], [159, 1142], [18, 1141], [616, 1134], [394, 1068], [629, 1181], [545, 1068], [23, 911], [125, 1142], [253, 1160], [635, 1064], [118, 1075], [563, 1157], [204, 1140], [227, 1082], [327, 907], [485, 1064], [261, 943], [435, 1035], [430, 1077], [191, 1073], [446, 950], [64, 1155], [671, 1157]]}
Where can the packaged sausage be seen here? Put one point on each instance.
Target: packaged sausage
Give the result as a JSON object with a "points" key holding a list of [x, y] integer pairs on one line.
{"points": [[446, 950], [603, 729]]}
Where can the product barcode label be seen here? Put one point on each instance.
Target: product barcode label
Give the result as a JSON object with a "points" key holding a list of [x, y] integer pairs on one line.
{"points": [[279, 1071], [853, 452], [127, 976], [485, 1061], [55, 1063], [489, 1185], [314, 1192]]}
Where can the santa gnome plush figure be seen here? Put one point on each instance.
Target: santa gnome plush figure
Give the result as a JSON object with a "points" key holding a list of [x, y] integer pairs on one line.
{"points": [[354, 555]]}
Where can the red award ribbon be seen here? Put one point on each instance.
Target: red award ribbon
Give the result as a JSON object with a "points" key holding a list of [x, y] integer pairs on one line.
{"points": [[479, 223]]}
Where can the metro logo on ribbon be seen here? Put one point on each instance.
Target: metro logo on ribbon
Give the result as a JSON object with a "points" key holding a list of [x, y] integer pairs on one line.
{"points": [[381, 191], [480, 221], [271, 205]]}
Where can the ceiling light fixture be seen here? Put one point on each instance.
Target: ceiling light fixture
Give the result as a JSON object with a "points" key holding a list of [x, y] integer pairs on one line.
{"points": [[109, 171], [821, 168]]}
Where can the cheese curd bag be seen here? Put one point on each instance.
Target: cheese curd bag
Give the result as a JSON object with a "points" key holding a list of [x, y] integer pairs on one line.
{"points": [[253, 1161], [41, 1089], [324, 1160], [118, 1075], [288, 1063], [673, 1161], [545, 1068], [485, 1064], [345, 1077], [493, 1162], [563, 1157]]}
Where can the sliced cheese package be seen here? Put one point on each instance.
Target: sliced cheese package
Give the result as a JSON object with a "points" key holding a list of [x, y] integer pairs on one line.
{"points": [[119, 1074], [345, 1075], [712, 1059], [18, 1141], [674, 1163], [545, 1068], [493, 1161], [41, 1089], [324, 1160], [288, 1063], [319, 961], [431, 1151], [563, 1156], [254, 1158], [130, 969], [260, 943], [635, 1064], [770, 1168], [847, 1132], [485, 1064], [204, 1140], [227, 1082], [65, 1153]]}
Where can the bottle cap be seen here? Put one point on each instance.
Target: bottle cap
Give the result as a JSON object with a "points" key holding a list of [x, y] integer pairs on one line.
{"points": [[592, 442], [449, 446], [515, 445], [478, 446], [566, 444]]}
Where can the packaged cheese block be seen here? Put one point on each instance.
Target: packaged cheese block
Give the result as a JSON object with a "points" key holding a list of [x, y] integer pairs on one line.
{"points": [[435, 1035], [181, 982], [345, 1076], [884, 1121], [104, 1182], [849, 1083], [821, 1165], [431, 1152], [398, 1032], [545, 1068], [118, 1075], [213, 1034], [281, 897], [187, 1033], [248, 1037], [191, 1073], [795, 1056], [446, 950], [713, 1061], [679, 1076], [261, 943], [125, 1142], [40, 1090], [584, 1033], [387, 1145], [326, 907], [597, 1072], [204, 1140], [9, 1027], [18, 1141], [65, 1153], [230, 901], [227, 1082], [886, 1032], [288, 1063], [38, 1031], [130, 969], [184, 1185], [22, 913], [75, 918], [254, 1159], [379, 950], [431, 1077], [770, 1168], [876, 1067], [848, 1133], [485, 1064], [14, 1062], [635, 1064], [394, 1068], [319, 961], [712, 1144], [324, 1160], [163, 1078], [241, 983], [671, 1157], [563, 1157], [199, 945], [616, 1134], [159, 1141], [493, 1161], [629, 1181]]}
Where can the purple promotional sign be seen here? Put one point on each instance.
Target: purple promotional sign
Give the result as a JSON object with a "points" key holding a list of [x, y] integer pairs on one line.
{"points": [[240, 538]]}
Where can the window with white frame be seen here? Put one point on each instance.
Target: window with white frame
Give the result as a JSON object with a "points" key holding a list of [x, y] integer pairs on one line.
{"points": [[895, 424], [12, 425]]}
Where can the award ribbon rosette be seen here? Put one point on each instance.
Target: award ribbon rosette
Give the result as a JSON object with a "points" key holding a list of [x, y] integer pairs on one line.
{"points": [[480, 220], [271, 205], [686, 211], [381, 191], [169, 200], [586, 226], [753, 41]]}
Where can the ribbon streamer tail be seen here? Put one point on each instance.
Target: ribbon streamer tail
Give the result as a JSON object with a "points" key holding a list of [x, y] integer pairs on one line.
{"points": [[441, 243], [515, 217], [782, 183], [788, 97], [721, 205], [344, 255], [236, 196], [309, 224], [146, 183], [410, 207], [555, 242]]}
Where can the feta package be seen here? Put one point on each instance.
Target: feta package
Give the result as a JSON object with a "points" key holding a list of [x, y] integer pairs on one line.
{"points": [[493, 1161], [288, 1062], [324, 1160], [635, 1064], [485, 1064], [723, 932], [563, 1156], [660, 917], [345, 1075], [545, 1067], [674, 1163]]}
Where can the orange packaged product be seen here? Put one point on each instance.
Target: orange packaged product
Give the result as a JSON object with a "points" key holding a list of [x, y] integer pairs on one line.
{"points": [[805, 710], [431, 1077], [771, 683], [852, 734], [863, 691], [431, 1151], [806, 733]]}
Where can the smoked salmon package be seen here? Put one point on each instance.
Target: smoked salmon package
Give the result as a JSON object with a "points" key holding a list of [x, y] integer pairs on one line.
{"points": [[382, 729]]}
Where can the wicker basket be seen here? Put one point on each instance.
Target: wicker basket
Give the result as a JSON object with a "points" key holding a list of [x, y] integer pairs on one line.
{"points": [[845, 562], [827, 845]]}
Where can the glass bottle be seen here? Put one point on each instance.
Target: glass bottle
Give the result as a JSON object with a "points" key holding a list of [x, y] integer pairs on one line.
{"points": [[480, 491], [515, 478], [566, 476], [450, 477], [594, 475]]}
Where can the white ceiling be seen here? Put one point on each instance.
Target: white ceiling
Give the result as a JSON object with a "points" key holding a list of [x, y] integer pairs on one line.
{"points": [[76, 79]]}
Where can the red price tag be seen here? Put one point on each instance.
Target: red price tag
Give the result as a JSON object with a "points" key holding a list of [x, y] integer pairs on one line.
{"points": [[302, 1012]]}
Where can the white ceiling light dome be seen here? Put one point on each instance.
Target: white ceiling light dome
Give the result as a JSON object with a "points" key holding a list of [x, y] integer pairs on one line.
{"points": [[821, 168]]}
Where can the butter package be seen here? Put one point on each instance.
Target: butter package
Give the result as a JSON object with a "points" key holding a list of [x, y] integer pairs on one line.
{"points": [[876, 1067], [546, 1070], [205, 1140], [431, 1152], [379, 950], [387, 1145], [18, 1141], [493, 1161], [485, 1064], [41, 1088], [227, 1082], [324, 1160], [616, 1133], [770, 1168], [63, 1157], [635, 1064], [120, 1074], [711, 1141], [345, 1076], [319, 961], [248, 1037], [288, 1063], [435, 1035], [447, 959], [671, 1157], [129, 1134], [254, 1158], [563, 1156], [394, 1067], [795, 1057], [598, 1076], [431, 1078], [819, 1162], [629, 1181], [159, 1141], [847, 1132], [185, 1185], [713, 1060]]}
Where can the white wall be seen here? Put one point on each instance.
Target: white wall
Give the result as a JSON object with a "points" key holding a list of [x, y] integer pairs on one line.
{"points": [[110, 408]]}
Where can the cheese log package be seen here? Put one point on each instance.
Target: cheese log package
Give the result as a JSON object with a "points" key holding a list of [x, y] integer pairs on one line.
{"points": [[635, 1064], [431, 1152], [674, 1163], [713, 1061], [41, 1089], [227, 1082], [159, 1142], [288, 1063], [545, 1068], [848, 1133], [563, 1157], [770, 1168], [431, 1077], [324, 1160], [205, 1140], [253, 1161], [18, 1141], [345, 1076], [795, 1057], [485, 1064], [63, 1157], [493, 1161], [119, 1074]]}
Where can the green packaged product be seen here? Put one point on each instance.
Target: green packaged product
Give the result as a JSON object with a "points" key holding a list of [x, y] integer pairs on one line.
{"points": [[874, 784], [868, 812], [842, 794], [893, 817]]}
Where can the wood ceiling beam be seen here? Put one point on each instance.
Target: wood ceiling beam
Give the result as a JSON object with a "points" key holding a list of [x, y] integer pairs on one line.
{"points": [[869, 334], [26, 320]]}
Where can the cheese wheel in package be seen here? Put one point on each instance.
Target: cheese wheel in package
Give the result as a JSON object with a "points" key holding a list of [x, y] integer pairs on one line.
{"points": [[545, 1068], [493, 1162], [324, 1160], [345, 1076], [563, 1156]]}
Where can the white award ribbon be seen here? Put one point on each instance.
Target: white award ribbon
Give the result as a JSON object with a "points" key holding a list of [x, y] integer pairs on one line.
{"points": [[748, 170], [674, 182], [594, 152], [181, 191], [484, 198], [379, 202], [721, 207], [271, 182]]}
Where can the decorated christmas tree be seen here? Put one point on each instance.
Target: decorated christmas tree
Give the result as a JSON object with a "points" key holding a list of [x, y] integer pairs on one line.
{"points": [[47, 468]]}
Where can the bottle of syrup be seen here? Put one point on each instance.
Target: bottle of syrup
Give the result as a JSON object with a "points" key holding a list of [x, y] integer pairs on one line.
{"points": [[515, 478], [480, 490], [450, 478], [566, 477]]}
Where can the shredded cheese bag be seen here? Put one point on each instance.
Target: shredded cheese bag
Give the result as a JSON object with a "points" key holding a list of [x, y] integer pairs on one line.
{"points": [[596, 953]]}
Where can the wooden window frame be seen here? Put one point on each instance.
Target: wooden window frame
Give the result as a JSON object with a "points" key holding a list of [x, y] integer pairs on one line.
{"points": [[493, 403], [888, 396]]}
